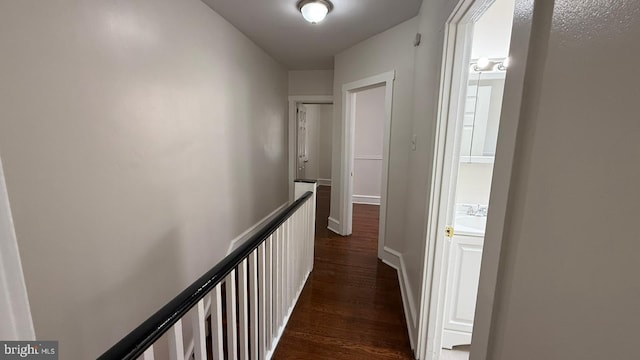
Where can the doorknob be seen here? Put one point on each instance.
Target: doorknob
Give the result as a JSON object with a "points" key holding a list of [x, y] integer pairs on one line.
{"points": [[448, 231]]}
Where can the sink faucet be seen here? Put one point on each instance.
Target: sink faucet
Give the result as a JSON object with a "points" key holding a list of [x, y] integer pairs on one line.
{"points": [[477, 210]]}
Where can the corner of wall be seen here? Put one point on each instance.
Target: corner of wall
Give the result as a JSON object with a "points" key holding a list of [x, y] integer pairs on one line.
{"points": [[396, 261], [334, 225], [240, 239]]}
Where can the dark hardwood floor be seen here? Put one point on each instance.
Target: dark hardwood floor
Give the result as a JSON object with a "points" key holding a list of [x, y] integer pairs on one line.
{"points": [[351, 306]]}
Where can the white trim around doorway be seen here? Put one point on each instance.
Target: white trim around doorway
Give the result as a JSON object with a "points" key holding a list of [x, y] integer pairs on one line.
{"points": [[348, 131], [293, 101]]}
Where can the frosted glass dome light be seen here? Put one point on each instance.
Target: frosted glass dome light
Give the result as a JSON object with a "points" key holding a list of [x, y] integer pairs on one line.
{"points": [[314, 11]]}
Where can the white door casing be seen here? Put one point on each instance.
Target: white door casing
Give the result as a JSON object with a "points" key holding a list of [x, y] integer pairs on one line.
{"points": [[302, 154], [15, 312]]}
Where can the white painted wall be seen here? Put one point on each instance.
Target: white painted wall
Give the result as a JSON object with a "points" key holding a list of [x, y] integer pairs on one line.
{"points": [[368, 141], [311, 82], [492, 32], [138, 139], [319, 125], [474, 183], [387, 51]]}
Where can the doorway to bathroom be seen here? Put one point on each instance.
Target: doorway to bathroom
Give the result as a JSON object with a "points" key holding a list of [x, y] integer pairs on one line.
{"points": [[470, 117]]}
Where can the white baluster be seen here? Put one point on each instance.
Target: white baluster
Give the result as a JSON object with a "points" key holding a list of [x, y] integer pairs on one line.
{"points": [[243, 310], [232, 321], [268, 293], [296, 250], [176, 345], [294, 239], [290, 256], [199, 332], [276, 281], [253, 303], [285, 272], [312, 233], [308, 237], [216, 323], [285, 267], [148, 354], [261, 303]]}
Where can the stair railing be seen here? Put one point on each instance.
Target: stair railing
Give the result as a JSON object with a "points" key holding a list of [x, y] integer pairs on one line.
{"points": [[261, 281]]}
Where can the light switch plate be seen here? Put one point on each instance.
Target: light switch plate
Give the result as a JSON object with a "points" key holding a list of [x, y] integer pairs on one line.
{"points": [[414, 139]]}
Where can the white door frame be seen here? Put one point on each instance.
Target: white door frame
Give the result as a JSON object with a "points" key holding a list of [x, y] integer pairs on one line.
{"points": [[294, 100], [348, 139], [14, 304], [456, 56]]}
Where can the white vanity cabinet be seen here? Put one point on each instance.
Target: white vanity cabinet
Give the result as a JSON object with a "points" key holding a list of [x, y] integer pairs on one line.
{"points": [[465, 256]]}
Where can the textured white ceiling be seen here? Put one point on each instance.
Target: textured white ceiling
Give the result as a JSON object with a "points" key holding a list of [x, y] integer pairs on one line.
{"points": [[278, 27]]}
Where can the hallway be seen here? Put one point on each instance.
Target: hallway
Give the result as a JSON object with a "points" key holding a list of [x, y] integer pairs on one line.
{"points": [[350, 307]]}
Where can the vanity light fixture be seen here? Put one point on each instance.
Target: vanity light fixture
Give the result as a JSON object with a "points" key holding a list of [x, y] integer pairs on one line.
{"points": [[314, 11], [486, 64]]}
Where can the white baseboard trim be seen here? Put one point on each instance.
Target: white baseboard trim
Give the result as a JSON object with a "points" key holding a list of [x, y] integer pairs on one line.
{"points": [[366, 199], [396, 261], [324, 182], [390, 257], [334, 225], [240, 239]]}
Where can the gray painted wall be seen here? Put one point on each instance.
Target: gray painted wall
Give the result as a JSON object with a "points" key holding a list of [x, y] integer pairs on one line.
{"points": [[390, 50], [138, 139], [568, 284], [311, 82]]}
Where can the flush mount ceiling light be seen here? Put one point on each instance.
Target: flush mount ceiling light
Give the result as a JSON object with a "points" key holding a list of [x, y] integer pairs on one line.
{"points": [[314, 11]]}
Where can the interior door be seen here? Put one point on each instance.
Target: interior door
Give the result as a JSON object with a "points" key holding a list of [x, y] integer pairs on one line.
{"points": [[467, 220], [302, 156]]}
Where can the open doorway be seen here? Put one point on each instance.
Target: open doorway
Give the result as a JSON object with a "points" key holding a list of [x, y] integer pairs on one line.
{"points": [[479, 42], [365, 149], [314, 142], [310, 128], [367, 145]]}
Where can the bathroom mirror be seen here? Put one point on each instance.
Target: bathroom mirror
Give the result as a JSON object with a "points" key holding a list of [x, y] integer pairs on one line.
{"points": [[482, 115]]}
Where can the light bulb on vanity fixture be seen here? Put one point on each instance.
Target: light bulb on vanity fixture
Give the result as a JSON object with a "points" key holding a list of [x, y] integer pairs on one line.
{"points": [[502, 66], [482, 64], [485, 64], [314, 11]]}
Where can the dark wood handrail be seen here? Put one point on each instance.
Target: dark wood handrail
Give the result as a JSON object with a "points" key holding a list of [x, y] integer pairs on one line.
{"points": [[137, 341]]}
